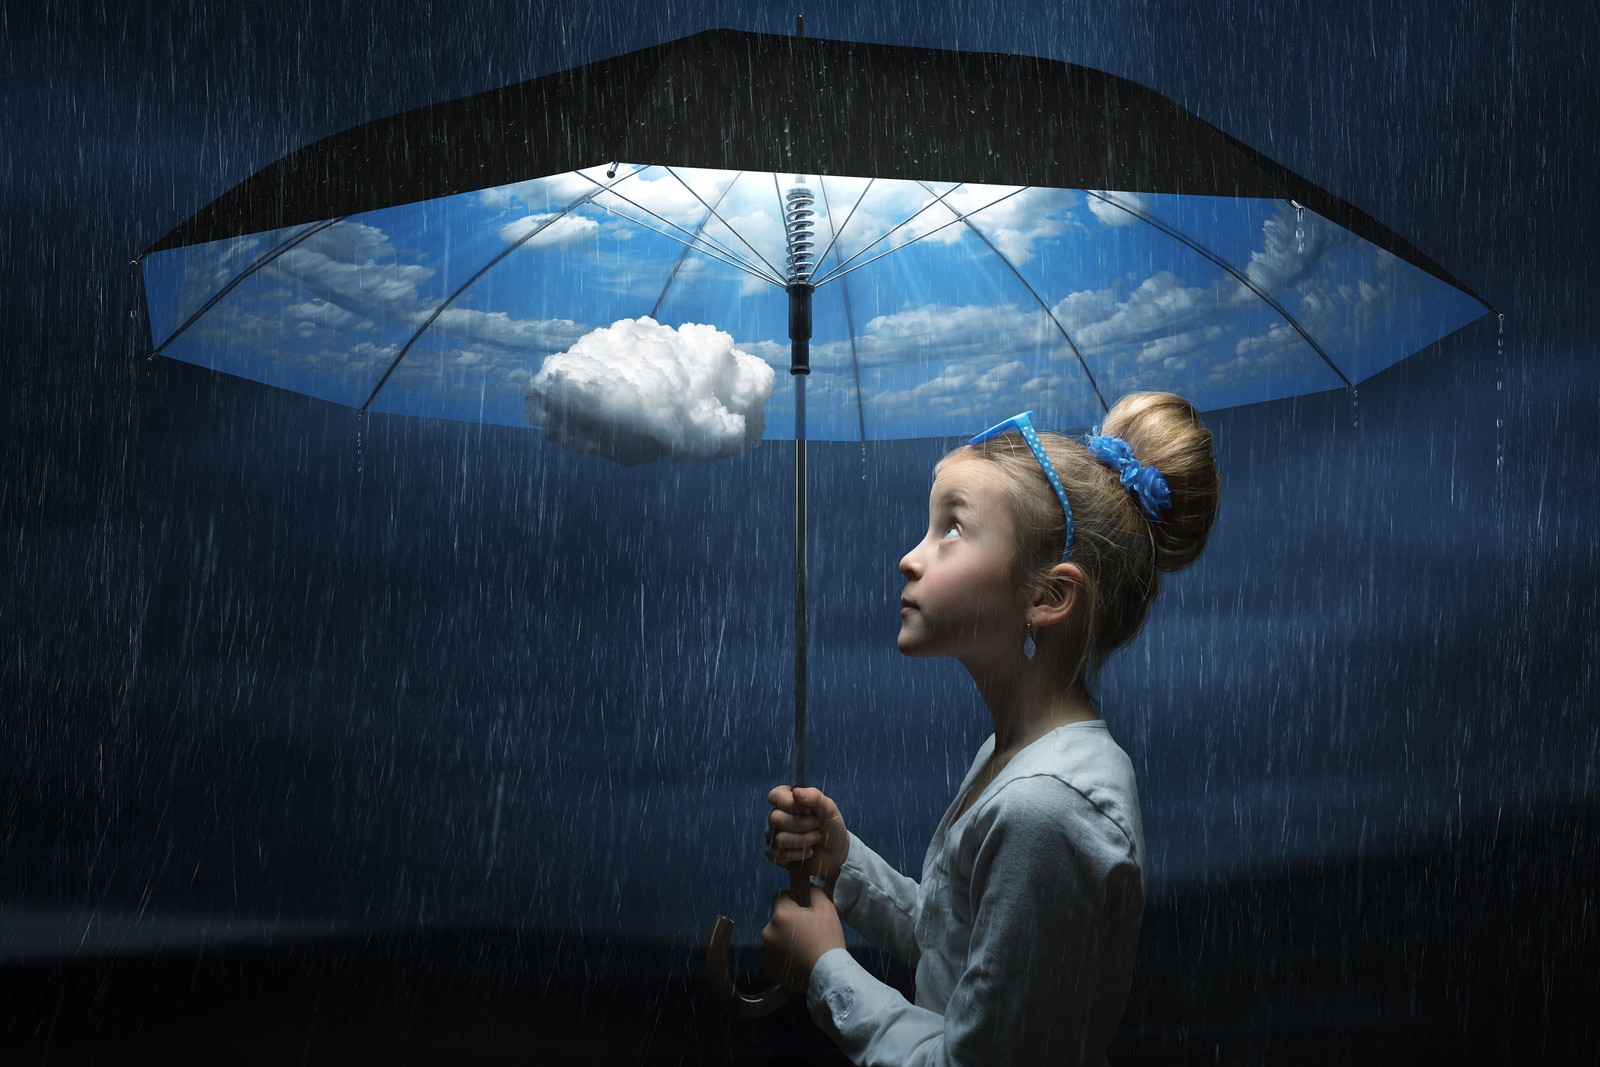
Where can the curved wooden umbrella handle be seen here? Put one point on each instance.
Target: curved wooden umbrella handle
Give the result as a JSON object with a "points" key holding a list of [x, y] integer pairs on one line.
{"points": [[734, 1001]]}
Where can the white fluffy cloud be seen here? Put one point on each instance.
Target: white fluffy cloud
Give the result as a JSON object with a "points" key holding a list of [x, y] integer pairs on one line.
{"points": [[679, 199], [638, 391], [498, 328], [562, 189], [320, 313], [556, 230], [966, 332], [1163, 314], [1016, 223], [1014, 219], [353, 267], [1158, 306], [356, 280], [967, 387], [1291, 250], [1112, 215]]}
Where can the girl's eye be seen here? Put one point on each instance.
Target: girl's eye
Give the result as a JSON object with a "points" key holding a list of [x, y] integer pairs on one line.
{"points": [[953, 531]]}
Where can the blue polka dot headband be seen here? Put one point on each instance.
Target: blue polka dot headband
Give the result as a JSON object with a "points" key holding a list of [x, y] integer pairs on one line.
{"points": [[1146, 484]]}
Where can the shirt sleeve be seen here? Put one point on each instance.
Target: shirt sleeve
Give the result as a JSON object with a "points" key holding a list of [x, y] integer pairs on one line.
{"points": [[878, 901], [1055, 886]]}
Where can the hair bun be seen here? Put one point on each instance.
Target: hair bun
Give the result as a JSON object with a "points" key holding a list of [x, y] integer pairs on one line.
{"points": [[1165, 432]]}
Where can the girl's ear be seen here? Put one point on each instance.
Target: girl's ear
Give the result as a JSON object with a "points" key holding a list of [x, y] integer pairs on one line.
{"points": [[1060, 595]]}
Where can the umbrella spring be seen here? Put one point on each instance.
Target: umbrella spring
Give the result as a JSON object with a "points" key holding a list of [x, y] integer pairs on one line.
{"points": [[799, 229]]}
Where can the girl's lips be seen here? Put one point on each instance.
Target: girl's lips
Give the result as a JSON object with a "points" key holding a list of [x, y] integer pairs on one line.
{"points": [[906, 608]]}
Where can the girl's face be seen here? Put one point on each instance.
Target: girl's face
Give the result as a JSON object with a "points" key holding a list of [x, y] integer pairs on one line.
{"points": [[961, 597]]}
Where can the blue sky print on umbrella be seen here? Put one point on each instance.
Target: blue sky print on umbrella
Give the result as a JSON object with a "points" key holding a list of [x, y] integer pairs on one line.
{"points": [[935, 301]]}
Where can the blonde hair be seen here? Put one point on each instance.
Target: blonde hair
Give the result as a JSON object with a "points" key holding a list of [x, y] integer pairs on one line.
{"points": [[1121, 552]]}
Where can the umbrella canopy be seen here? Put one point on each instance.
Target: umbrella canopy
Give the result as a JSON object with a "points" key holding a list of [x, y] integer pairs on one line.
{"points": [[984, 233]]}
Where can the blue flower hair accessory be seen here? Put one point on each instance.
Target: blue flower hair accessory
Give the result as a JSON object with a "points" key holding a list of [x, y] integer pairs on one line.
{"points": [[1146, 484]]}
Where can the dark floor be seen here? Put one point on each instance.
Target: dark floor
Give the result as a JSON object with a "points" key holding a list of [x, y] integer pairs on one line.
{"points": [[1455, 955]]}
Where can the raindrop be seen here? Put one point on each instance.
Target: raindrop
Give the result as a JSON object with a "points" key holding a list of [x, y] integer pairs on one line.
{"points": [[1499, 387], [1500, 353], [1299, 226]]}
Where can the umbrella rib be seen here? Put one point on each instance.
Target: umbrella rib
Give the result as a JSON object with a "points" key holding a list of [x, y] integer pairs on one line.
{"points": [[524, 239], [887, 233], [686, 250], [1231, 269], [942, 226], [1087, 373], [711, 248], [836, 232], [849, 320], [273, 254], [719, 218]]}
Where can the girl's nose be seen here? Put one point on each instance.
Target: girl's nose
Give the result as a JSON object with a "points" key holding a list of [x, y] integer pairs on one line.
{"points": [[909, 568]]}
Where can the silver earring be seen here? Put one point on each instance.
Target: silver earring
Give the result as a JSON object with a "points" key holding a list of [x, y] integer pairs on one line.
{"points": [[1028, 647]]}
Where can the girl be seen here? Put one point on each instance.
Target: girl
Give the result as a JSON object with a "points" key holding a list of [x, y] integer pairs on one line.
{"points": [[1042, 556]]}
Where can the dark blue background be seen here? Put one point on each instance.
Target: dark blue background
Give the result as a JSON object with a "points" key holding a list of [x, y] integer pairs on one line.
{"points": [[268, 673]]}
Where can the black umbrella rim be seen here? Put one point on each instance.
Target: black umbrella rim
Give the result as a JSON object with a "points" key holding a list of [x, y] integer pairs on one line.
{"points": [[1045, 122]]}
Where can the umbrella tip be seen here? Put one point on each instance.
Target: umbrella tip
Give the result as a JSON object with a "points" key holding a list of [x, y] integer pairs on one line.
{"points": [[800, 27]]}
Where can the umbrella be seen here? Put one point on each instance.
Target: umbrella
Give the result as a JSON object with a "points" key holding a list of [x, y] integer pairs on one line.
{"points": [[960, 234]]}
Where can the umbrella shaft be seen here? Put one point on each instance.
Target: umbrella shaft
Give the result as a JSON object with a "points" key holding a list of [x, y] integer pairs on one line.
{"points": [[799, 579]]}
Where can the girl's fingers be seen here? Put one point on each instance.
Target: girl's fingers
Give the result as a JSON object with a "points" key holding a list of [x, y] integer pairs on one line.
{"points": [[812, 799], [785, 848], [783, 859], [787, 798], [792, 823], [784, 840]]}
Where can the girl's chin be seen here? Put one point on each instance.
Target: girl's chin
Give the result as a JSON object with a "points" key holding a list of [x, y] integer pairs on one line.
{"points": [[910, 647]]}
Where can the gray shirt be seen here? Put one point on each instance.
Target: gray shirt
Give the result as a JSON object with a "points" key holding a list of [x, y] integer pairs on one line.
{"points": [[1023, 929]]}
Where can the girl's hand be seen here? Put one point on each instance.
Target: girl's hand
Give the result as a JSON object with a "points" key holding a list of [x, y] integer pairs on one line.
{"points": [[805, 824], [796, 938]]}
